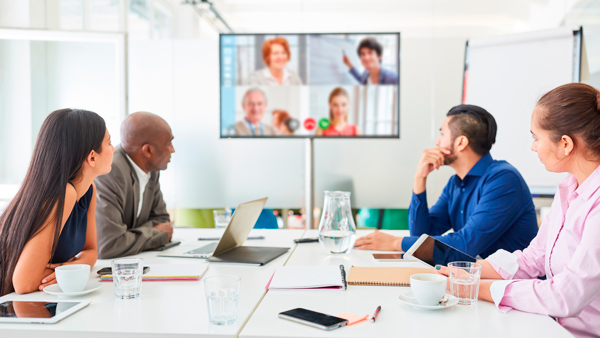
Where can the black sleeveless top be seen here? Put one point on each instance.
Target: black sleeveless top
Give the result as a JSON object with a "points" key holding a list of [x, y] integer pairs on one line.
{"points": [[72, 236]]}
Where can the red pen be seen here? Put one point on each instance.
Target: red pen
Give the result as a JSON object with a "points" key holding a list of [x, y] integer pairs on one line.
{"points": [[376, 314]]}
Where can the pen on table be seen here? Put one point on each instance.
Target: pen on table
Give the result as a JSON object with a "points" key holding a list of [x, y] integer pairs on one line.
{"points": [[376, 314], [218, 238]]}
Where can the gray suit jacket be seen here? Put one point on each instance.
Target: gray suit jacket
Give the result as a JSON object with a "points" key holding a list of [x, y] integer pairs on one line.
{"points": [[120, 232]]}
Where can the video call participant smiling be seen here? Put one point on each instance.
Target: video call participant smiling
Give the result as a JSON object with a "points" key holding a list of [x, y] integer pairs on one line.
{"points": [[370, 52], [339, 106], [254, 104], [276, 55], [487, 203]]}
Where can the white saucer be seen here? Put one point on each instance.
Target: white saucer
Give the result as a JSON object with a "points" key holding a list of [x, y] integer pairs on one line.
{"points": [[409, 299], [55, 290]]}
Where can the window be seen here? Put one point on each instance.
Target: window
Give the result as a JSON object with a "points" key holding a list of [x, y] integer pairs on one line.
{"points": [[146, 19]]}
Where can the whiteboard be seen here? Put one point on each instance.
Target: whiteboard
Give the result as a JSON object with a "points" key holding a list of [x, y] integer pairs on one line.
{"points": [[326, 60], [507, 75]]}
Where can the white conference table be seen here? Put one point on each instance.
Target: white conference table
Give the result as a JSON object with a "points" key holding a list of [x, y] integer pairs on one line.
{"points": [[178, 309], [165, 309], [395, 319]]}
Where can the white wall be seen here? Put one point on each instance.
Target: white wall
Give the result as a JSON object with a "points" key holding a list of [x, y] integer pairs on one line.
{"points": [[38, 77], [15, 118], [151, 88], [82, 75]]}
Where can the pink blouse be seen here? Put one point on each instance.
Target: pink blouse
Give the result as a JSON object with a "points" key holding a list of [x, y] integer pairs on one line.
{"points": [[566, 251]]}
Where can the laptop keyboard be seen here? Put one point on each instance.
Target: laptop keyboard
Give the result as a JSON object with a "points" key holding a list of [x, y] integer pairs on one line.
{"points": [[203, 250]]}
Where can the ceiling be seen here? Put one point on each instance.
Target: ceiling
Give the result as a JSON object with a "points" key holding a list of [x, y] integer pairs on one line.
{"points": [[414, 18]]}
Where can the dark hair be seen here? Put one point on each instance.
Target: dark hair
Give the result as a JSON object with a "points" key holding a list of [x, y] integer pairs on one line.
{"points": [[372, 44], [476, 124], [65, 140], [573, 110]]}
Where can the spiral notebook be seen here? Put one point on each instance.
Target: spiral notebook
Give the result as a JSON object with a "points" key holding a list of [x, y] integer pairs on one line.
{"points": [[384, 276]]}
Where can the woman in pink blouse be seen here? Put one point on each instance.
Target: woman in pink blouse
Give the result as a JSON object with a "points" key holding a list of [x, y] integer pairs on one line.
{"points": [[566, 136], [339, 105]]}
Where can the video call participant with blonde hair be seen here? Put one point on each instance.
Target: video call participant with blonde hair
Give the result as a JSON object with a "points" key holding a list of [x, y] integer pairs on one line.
{"points": [[565, 126], [254, 104], [276, 55], [339, 106]]}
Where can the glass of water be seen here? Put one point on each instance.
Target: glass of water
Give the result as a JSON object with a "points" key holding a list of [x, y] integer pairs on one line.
{"points": [[222, 296], [127, 277], [464, 281], [222, 218]]}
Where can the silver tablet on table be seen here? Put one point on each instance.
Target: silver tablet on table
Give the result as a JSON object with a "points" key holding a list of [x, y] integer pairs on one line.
{"points": [[38, 312]]}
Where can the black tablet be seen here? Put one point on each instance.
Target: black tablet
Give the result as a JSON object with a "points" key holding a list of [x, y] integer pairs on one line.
{"points": [[433, 252]]}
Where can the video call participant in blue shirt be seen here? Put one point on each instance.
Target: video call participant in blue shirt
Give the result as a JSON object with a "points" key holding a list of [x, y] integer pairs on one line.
{"points": [[370, 52], [487, 203]]}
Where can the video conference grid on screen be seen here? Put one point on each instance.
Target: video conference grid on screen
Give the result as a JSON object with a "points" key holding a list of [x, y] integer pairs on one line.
{"points": [[310, 85]]}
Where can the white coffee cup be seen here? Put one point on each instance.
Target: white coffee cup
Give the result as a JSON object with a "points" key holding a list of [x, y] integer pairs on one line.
{"points": [[73, 277], [428, 288]]}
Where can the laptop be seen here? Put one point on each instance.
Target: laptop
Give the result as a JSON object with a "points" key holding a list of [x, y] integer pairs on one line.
{"points": [[229, 249]]}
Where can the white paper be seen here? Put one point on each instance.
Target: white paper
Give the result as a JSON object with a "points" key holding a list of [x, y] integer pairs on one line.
{"points": [[307, 277]]}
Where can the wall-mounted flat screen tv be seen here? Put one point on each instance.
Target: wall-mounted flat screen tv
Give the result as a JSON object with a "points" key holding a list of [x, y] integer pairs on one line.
{"points": [[310, 85]]}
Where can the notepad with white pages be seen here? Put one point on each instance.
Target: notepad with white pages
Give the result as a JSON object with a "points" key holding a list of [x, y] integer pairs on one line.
{"points": [[309, 277]]}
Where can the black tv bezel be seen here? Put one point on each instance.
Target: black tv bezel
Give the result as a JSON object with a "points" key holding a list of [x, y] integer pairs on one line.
{"points": [[221, 136]]}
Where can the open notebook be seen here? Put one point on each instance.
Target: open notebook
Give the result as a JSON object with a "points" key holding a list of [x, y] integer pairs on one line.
{"points": [[308, 277], [170, 272], [384, 276]]}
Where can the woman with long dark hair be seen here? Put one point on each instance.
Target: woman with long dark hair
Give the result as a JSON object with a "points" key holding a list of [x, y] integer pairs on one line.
{"points": [[50, 222]]}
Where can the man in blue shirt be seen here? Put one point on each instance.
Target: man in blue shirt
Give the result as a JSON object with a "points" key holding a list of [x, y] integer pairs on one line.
{"points": [[487, 203]]}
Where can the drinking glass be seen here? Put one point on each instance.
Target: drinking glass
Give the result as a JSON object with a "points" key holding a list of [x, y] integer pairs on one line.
{"points": [[222, 296], [464, 281], [127, 277], [222, 218], [337, 231]]}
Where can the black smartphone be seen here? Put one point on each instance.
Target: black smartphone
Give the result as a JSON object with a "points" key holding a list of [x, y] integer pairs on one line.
{"points": [[306, 240], [313, 318], [108, 271], [166, 246], [388, 257]]}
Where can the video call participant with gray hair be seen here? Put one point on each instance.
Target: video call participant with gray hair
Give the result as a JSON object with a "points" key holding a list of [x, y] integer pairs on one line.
{"points": [[487, 203], [131, 215], [254, 104]]}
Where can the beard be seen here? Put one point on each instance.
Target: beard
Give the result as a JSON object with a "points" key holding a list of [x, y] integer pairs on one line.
{"points": [[450, 158]]}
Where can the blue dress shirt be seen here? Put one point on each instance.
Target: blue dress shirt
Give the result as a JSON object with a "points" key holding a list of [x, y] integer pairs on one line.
{"points": [[386, 77], [490, 209]]}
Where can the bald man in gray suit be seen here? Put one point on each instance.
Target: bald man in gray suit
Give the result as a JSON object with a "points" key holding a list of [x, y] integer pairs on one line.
{"points": [[131, 215]]}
